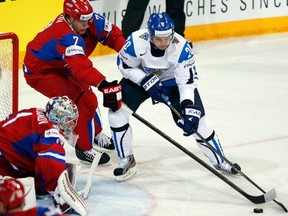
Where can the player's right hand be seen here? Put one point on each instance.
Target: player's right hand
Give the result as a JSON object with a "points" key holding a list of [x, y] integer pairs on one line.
{"points": [[154, 87], [112, 95]]}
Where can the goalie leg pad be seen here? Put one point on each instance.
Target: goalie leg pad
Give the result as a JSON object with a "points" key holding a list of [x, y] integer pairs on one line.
{"points": [[72, 173], [30, 194], [65, 193]]}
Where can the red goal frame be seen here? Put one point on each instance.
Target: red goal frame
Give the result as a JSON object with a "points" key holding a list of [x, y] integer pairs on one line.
{"points": [[15, 66]]}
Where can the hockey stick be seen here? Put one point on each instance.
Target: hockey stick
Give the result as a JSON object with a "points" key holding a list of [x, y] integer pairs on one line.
{"points": [[69, 146], [266, 197], [168, 103], [85, 191]]}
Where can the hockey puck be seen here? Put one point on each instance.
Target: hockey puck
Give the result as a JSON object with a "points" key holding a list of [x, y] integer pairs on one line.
{"points": [[258, 210]]}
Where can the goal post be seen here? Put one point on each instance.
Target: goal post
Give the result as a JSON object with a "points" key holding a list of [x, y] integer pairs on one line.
{"points": [[9, 66]]}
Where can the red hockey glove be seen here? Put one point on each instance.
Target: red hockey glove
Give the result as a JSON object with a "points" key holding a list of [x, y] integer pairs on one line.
{"points": [[112, 96]]}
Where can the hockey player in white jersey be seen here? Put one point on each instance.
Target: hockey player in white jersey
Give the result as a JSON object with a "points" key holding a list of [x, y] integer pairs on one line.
{"points": [[157, 61]]}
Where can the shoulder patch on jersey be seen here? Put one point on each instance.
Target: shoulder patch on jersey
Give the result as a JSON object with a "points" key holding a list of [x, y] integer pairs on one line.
{"points": [[144, 36], [176, 41], [108, 26], [51, 133], [74, 50]]}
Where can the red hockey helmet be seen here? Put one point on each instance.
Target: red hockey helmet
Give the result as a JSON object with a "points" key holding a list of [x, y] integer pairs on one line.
{"points": [[11, 193], [78, 9]]}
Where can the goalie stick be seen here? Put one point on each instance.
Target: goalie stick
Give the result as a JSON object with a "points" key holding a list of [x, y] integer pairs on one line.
{"points": [[266, 197], [169, 104], [68, 147], [86, 190]]}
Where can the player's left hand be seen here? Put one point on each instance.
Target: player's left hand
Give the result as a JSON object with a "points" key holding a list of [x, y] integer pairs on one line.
{"points": [[112, 95], [191, 115]]}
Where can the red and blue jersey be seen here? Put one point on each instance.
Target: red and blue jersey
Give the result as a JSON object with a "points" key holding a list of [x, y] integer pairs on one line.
{"points": [[31, 144], [37, 211], [59, 49]]}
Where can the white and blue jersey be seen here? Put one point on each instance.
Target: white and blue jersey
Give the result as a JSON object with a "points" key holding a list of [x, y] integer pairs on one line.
{"points": [[175, 67]]}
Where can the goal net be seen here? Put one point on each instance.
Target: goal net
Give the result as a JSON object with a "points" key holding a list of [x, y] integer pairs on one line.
{"points": [[9, 51]]}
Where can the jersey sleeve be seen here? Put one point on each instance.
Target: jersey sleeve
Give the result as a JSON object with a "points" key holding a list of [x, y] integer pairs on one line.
{"points": [[128, 62], [72, 46], [108, 34], [51, 156], [186, 74], [50, 161]]}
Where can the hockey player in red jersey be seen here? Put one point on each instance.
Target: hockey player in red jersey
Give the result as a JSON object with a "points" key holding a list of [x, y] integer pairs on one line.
{"points": [[12, 201], [56, 63], [32, 144]]}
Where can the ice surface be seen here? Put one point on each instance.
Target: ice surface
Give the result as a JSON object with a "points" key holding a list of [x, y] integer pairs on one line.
{"points": [[244, 86]]}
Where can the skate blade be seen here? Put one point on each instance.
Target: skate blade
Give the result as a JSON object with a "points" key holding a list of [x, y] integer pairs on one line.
{"points": [[227, 173], [102, 149], [131, 172], [88, 164]]}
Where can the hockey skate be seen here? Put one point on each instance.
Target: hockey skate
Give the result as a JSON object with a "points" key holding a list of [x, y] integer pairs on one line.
{"points": [[88, 156], [103, 141], [126, 168], [227, 168]]}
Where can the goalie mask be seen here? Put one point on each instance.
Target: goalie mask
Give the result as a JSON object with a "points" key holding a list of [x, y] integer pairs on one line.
{"points": [[63, 112], [11, 193], [78, 9]]}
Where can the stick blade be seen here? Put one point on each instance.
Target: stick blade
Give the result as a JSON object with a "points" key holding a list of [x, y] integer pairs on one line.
{"points": [[270, 195], [266, 197]]}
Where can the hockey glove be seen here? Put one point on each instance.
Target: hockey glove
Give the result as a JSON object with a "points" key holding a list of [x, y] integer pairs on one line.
{"points": [[191, 115], [154, 87], [112, 96]]}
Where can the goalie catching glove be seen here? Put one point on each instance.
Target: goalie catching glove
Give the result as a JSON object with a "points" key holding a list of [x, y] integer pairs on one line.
{"points": [[154, 87], [112, 96], [191, 116]]}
